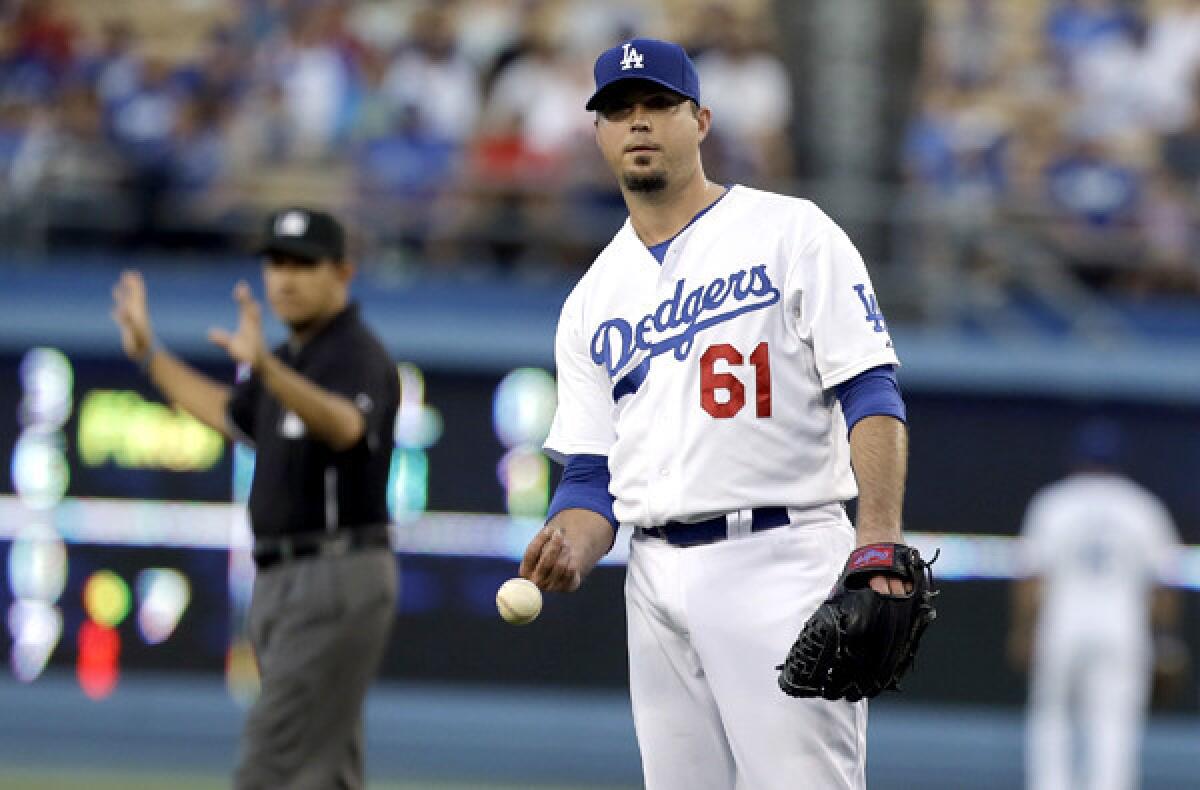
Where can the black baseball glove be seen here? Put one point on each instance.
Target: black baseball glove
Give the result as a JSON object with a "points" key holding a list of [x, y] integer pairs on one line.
{"points": [[859, 642]]}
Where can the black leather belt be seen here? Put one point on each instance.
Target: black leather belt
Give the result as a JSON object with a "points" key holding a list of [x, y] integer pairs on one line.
{"points": [[275, 549], [698, 533]]}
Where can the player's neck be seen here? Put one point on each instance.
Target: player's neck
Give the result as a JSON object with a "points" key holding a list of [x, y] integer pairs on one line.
{"points": [[659, 217]]}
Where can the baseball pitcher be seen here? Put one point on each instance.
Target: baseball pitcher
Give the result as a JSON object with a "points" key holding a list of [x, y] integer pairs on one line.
{"points": [[722, 367]]}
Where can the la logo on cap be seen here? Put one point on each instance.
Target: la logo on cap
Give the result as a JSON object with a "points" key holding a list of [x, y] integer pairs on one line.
{"points": [[633, 59], [293, 223]]}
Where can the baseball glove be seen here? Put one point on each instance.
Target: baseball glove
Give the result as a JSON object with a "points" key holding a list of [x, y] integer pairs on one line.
{"points": [[859, 642]]}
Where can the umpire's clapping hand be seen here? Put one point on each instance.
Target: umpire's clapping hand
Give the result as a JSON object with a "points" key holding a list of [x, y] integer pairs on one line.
{"points": [[245, 344], [132, 316]]}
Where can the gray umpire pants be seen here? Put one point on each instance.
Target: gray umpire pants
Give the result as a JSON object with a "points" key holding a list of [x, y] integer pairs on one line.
{"points": [[319, 627]]}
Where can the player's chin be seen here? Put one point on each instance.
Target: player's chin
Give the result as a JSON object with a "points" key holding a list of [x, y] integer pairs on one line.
{"points": [[640, 179], [286, 310], [294, 314]]}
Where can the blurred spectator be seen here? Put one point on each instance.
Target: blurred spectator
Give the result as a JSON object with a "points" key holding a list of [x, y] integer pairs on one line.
{"points": [[1075, 26], [1168, 228], [261, 132], [199, 146], [588, 26], [143, 126], [543, 90], [64, 176], [750, 93], [486, 29], [1180, 149], [143, 120], [383, 25], [502, 198], [1095, 197], [964, 46], [1173, 52], [112, 69], [516, 167], [1114, 81], [221, 73], [431, 85], [199, 206], [31, 64], [43, 37], [956, 155], [956, 148], [401, 174], [315, 73], [261, 20]]}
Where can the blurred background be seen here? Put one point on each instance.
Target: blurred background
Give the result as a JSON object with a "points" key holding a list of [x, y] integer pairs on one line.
{"points": [[1022, 176]]}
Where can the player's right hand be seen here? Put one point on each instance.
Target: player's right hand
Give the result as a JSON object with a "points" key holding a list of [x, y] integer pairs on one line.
{"points": [[550, 561], [1020, 649], [132, 316]]}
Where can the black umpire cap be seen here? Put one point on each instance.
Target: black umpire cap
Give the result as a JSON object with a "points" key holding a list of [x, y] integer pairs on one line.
{"points": [[303, 233]]}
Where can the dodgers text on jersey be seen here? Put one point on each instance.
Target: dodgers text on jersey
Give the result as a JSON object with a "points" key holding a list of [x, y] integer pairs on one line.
{"points": [[674, 323]]}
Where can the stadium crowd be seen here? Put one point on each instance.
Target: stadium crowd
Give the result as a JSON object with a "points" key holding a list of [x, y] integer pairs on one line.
{"points": [[449, 130], [454, 130], [1075, 122]]}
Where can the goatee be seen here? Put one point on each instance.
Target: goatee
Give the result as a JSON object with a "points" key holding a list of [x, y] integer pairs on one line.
{"points": [[652, 182]]}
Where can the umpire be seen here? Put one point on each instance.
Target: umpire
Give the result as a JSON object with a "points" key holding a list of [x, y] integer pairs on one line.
{"points": [[319, 410]]}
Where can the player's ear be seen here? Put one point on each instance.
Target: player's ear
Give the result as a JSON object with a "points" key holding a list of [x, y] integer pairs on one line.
{"points": [[345, 271], [703, 121]]}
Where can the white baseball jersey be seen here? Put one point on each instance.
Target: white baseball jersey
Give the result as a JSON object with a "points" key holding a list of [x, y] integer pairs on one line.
{"points": [[1101, 543], [707, 381]]}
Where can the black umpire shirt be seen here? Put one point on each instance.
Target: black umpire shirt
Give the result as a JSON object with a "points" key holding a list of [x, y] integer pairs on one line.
{"points": [[300, 483]]}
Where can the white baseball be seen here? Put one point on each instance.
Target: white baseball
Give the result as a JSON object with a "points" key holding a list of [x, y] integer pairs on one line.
{"points": [[519, 601]]}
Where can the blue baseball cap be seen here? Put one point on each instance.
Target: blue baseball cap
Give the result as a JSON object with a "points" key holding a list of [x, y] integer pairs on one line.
{"points": [[1098, 441], [651, 59]]}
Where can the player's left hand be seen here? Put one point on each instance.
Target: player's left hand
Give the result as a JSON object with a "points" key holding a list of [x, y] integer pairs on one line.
{"points": [[889, 585], [884, 584], [859, 642], [245, 344]]}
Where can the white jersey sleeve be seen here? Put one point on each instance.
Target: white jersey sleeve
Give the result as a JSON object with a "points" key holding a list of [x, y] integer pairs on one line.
{"points": [[583, 421], [839, 315], [1162, 539], [1036, 545]]}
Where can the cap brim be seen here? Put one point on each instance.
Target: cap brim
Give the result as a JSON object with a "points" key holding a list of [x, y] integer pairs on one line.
{"points": [[292, 248], [625, 81]]}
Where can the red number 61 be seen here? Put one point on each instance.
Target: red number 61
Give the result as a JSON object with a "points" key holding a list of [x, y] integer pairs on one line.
{"points": [[711, 381]]}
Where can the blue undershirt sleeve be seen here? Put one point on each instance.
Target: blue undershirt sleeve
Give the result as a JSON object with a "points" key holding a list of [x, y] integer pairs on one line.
{"points": [[584, 485], [871, 392]]}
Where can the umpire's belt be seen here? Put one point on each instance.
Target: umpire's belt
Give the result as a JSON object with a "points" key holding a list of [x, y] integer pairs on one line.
{"points": [[273, 550], [730, 525]]}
